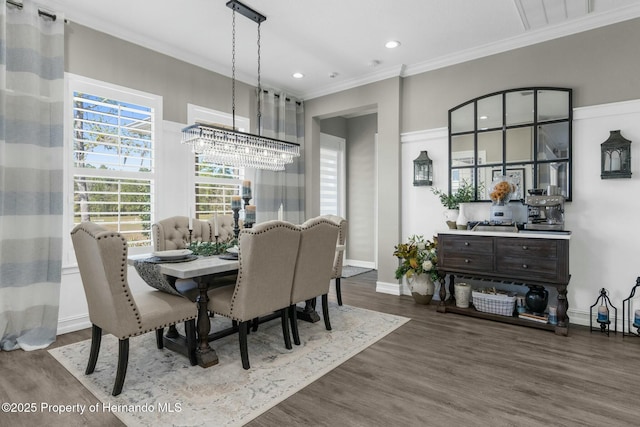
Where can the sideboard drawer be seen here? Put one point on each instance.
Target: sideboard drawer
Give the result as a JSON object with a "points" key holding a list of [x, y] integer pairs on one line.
{"points": [[527, 268], [467, 261], [527, 248], [466, 244]]}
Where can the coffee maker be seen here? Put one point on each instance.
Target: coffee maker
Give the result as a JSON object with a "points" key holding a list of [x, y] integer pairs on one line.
{"points": [[544, 211]]}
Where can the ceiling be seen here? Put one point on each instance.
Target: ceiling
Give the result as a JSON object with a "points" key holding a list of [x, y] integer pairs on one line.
{"points": [[339, 44]]}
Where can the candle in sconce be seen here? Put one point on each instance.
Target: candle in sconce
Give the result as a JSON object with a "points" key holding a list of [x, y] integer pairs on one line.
{"points": [[250, 214], [235, 202], [603, 314], [216, 230], [246, 189]]}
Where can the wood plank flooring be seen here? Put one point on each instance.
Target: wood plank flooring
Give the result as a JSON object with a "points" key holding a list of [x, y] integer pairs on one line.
{"points": [[436, 370]]}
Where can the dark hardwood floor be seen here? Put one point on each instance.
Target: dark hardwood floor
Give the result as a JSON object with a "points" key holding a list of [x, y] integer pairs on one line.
{"points": [[436, 370]]}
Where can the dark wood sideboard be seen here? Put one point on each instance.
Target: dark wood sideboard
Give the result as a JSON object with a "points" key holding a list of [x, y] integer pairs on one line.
{"points": [[520, 258]]}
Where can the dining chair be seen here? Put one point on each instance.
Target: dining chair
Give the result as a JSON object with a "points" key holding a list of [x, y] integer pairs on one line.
{"points": [[336, 274], [173, 233], [267, 260], [102, 261], [225, 227], [314, 266]]}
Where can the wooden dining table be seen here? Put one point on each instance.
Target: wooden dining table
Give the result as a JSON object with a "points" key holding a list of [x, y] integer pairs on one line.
{"points": [[202, 270]]}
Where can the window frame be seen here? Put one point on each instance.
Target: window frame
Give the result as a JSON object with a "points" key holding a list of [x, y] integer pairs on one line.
{"points": [[76, 83]]}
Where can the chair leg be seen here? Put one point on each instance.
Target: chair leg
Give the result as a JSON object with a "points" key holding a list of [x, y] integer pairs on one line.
{"points": [[293, 317], [255, 324], [242, 335], [284, 319], [96, 338], [325, 312], [159, 339], [190, 332], [123, 360], [338, 291]]}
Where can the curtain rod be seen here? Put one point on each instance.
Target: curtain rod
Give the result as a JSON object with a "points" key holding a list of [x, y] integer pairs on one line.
{"points": [[41, 12], [277, 95]]}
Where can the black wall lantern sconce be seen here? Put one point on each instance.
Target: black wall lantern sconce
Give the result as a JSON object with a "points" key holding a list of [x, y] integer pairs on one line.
{"points": [[422, 170], [615, 157]]}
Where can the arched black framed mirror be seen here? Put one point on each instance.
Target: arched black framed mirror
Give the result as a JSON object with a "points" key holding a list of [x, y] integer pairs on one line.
{"points": [[524, 133]]}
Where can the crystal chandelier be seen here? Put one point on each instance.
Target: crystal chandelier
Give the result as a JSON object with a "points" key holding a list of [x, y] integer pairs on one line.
{"points": [[231, 147]]}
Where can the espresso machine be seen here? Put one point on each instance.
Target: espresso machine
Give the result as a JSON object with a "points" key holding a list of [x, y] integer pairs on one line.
{"points": [[544, 211]]}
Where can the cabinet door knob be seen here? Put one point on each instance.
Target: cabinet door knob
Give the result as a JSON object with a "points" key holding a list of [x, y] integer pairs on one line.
{"points": [[466, 243], [525, 247], [525, 266], [467, 261]]}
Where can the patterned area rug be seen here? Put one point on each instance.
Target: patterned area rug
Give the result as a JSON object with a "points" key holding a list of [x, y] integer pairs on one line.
{"points": [[349, 271], [161, 388]]}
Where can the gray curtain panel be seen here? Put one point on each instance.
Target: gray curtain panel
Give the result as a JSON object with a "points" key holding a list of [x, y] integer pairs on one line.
{"points": [[31, 175], [282, 118]]}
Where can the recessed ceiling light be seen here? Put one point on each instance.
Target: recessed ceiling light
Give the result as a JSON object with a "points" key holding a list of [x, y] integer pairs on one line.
{"points": [[392, 44], [298, 75]]}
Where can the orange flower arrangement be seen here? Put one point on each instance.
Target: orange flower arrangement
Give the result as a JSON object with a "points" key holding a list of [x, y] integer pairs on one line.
{"points": [[502, 191]]}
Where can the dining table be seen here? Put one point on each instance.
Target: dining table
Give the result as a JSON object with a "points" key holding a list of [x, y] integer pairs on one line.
{"points": [[163, 275]]}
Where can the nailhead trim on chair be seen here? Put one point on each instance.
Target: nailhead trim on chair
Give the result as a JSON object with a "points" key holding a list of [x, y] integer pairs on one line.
{"points": [[274, 224]]}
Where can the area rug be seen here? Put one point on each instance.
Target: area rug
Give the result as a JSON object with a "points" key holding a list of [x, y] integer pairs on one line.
{"points": [[162, 389], [350, 271]]}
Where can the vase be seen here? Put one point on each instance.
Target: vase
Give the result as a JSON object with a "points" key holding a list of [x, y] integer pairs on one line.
{"points": [[422, 288], [451, 216], [536, 299], [462, 220], [463, 294]]}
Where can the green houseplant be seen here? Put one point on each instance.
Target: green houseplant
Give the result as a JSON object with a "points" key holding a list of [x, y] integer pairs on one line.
{"points": [[418, 260], [465, 193]]}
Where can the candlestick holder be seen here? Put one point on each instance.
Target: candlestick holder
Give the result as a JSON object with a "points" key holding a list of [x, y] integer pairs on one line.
{"points": [[236, 217], [246, 201], [604, 314], [628, 317], [190, 233], [217, 245]]}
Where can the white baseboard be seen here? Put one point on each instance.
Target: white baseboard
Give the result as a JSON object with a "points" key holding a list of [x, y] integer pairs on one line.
{"points": [[72, 324], [388, 288], [363, 264]]}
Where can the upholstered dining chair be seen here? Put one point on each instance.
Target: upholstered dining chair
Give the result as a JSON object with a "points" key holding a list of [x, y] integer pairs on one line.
{"points": [[267, 260], [173, 233], [336, 274], [102, 260], [225, 227], [314, 265]]}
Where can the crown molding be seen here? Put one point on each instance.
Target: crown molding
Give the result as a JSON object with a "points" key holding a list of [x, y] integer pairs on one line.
{"points": [[586, 23], [382, 74]]}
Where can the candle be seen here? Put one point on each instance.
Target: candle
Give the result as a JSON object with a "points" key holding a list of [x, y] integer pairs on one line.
{"points": [[603, 314], [553, 315], [246, 189], [280, 212], [636, 320], [235, 202], [190, 220], [216, 230], [250, 214]]}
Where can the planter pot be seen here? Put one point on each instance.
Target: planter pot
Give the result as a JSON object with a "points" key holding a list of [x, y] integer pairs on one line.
{"points": [[451, 216], [422, 288], [463, 294]]}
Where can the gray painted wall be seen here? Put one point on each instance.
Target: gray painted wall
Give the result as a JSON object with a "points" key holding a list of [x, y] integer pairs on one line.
{"points": [[336, 126], [601, 66], [361, 177], [100, 56]]}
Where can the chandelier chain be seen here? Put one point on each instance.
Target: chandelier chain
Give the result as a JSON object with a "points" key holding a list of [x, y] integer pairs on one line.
{"points": [[259, 87], [233, 69]]}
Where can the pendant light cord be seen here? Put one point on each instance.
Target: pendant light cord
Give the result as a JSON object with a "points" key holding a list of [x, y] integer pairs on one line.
{"points": [[259, 88]]}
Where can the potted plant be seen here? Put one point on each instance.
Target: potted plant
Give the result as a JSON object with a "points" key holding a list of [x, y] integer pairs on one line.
{"points": [[464, 194], [418, 260]]}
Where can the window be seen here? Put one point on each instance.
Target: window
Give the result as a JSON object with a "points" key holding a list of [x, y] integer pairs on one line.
{"points": [[112, 134], [215, 184], [331, 175]]}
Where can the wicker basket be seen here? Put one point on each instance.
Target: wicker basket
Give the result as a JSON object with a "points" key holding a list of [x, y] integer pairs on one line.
{"points": [[496, 304]]}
